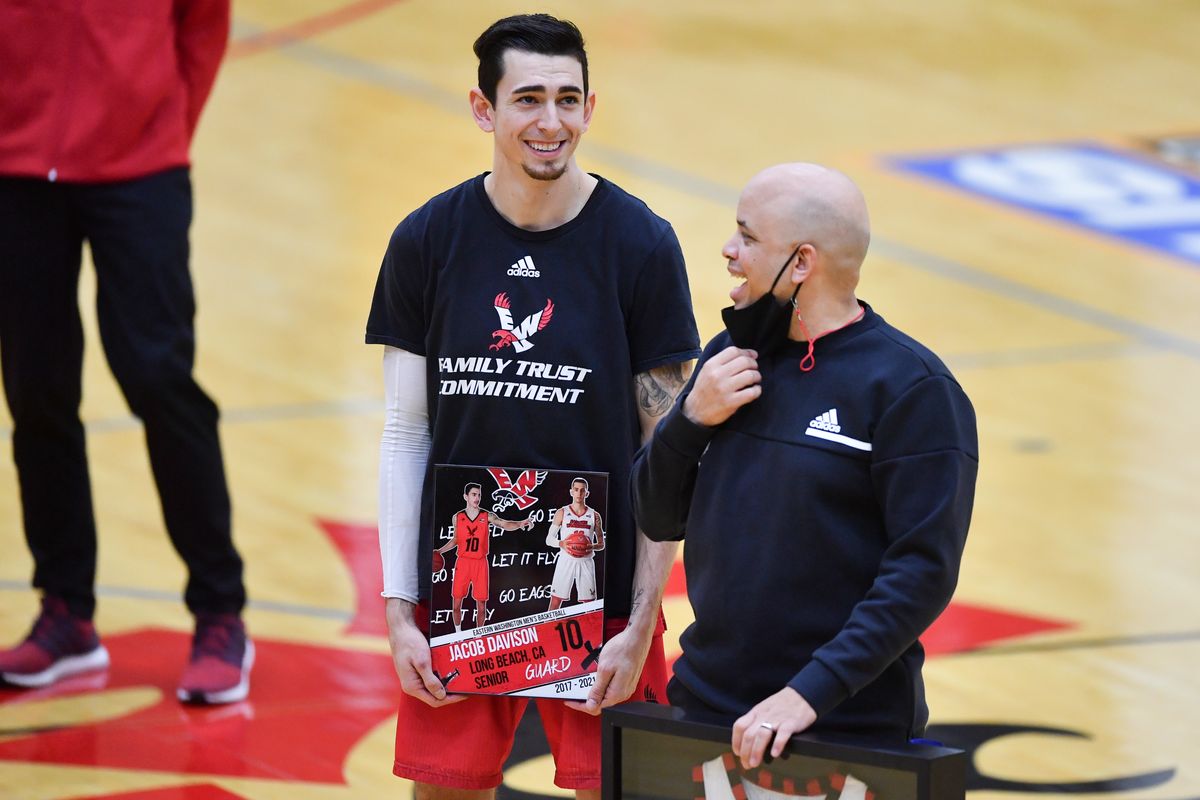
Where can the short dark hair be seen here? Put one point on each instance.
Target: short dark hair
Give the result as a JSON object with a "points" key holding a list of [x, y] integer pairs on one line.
{"points": [[529, 33], [467, 489]]}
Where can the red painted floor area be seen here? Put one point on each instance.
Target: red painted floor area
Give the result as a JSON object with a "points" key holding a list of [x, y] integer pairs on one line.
{"points": [[309, 705], [199, 791]]}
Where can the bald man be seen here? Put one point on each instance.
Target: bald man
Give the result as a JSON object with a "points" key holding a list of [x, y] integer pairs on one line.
{"points": [[826, 521]]}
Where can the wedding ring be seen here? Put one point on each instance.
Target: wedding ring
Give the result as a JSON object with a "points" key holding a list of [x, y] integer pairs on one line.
{"points": [[768, 725]]}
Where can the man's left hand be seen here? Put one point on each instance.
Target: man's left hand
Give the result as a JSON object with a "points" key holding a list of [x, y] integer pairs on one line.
{"points": [[778, 717], [617, 671]]}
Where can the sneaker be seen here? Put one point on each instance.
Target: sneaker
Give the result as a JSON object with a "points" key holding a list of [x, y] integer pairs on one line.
{"points": [[59, 645], [219, 668]]}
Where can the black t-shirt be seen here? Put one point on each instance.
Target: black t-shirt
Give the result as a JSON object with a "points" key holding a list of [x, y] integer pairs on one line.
{"points": [[532, 339]]}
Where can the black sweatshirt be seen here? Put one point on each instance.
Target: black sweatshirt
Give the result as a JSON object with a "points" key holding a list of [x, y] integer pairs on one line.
{"points": [[825, 522]]}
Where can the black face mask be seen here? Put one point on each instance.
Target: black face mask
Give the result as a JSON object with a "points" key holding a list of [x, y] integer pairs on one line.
{"points": [[763, 325]]}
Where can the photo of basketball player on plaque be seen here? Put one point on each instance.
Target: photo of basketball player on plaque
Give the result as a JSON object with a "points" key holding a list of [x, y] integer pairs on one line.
{"points": [[516, 604]]}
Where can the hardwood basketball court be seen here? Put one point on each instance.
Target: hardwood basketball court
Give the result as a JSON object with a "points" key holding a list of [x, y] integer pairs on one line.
{"points": [[1028, 227]]}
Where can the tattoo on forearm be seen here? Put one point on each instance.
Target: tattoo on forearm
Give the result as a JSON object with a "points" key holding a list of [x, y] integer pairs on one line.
{"points": [[658, 388], [636, 601]]}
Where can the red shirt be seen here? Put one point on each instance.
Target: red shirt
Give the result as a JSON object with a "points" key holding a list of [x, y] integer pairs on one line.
{"points": [[104, 90], [471, 535]]}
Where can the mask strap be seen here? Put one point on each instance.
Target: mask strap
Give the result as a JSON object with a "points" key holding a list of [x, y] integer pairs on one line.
{"points": [[809, 361], [779, 274]]}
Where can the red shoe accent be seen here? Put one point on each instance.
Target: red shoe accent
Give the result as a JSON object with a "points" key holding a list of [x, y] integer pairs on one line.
{"points": [[59, 645], [219, 668]]}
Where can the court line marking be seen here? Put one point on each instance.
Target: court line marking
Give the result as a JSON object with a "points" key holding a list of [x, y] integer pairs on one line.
{"points": [[721, 194], [1034, 356], [1014, 290], [239, 416], [298, 609], [359, 406], [260, 41], [697, 186], [1132, 640], [129, 592]]}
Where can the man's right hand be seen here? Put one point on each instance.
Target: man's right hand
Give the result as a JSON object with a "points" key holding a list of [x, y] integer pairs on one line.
{"points": [[410, 656], [727, 381]]}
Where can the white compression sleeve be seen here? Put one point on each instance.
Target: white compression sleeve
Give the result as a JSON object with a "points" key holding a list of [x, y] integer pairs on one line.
{"points": [[403, 455]]}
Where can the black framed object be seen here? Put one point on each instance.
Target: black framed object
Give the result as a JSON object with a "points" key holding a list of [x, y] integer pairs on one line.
{"points": [[654, 752]]}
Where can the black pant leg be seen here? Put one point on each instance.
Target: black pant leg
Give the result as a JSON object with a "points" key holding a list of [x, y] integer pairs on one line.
{"points": [[138, 232], [41, 356]]}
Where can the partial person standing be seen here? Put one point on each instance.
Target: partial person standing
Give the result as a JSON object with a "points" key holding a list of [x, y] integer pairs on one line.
{"points": [[577, 530], [822, 465], [471, 538], [595, 335], [98, 108]]}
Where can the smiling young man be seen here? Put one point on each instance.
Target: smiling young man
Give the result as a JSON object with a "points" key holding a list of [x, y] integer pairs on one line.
{"points": [[874, 440], [535, 316]]}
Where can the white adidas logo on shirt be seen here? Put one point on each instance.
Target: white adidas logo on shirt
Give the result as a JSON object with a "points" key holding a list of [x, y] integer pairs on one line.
{"points": [[524, 268], [827, 422], [826, 426]]}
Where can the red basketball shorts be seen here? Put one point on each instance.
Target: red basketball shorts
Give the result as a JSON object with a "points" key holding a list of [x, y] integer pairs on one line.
{"points": [[464, 745], [471, 572]]}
